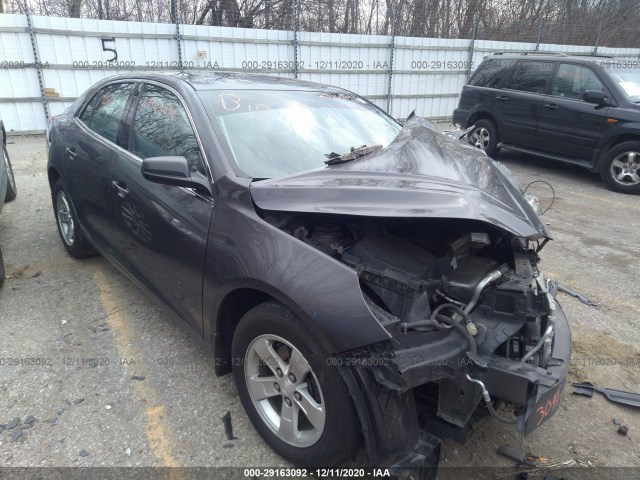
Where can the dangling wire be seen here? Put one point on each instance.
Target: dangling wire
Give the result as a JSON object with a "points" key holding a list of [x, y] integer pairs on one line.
{"points": [[553, 192]]}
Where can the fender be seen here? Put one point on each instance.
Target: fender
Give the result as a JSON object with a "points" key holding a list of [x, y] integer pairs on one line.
{"points": [[244, 251], [610, 138]]}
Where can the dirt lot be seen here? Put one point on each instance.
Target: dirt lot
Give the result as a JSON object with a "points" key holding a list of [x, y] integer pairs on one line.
{"points": [[151, 398]]}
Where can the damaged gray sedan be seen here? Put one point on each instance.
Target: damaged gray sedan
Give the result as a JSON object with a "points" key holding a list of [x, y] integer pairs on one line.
{"points": [[360, 279]]}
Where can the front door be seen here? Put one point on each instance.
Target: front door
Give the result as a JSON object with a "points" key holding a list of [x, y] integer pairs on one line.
{"points": [[162, 230], [568, 125]]}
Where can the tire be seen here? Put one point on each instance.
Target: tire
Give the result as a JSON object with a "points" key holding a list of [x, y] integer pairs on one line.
{"points": [[484, 136], [325, 443], [12, 190], [620, 168], [71, 234], [2, 271]]}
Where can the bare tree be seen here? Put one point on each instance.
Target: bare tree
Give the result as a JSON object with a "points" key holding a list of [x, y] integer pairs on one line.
{"points": [[558, 21]]}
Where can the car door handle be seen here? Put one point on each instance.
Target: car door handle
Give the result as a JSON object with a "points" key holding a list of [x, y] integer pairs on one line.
{"points": [[71, 152], [502, 98], [551, 106], [121, 188]]}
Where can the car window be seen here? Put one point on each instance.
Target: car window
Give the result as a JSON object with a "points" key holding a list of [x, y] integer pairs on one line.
{"points": [[161, 127], [490, 73], [530, 76], [573, 80], [628, 80], [103, 114], [273, 134]]}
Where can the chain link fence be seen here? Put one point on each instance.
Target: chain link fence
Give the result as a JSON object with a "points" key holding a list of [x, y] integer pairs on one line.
{"points": [[401, 55], [611, 23]]}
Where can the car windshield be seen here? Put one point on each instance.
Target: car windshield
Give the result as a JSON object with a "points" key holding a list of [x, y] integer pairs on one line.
{"points": [[273, 134], [629, 81]]}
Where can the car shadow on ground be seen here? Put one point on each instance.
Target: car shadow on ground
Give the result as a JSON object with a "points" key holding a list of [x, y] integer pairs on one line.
{"points": [[553, 168]]}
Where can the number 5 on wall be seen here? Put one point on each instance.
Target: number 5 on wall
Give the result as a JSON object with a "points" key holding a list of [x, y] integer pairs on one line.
{"points": [[107, 49]]}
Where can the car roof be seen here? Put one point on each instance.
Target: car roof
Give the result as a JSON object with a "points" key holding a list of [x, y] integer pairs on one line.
{"points": [[214, 80], [549, 56]]}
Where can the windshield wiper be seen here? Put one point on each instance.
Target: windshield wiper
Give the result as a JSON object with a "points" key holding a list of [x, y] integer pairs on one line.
{"points": [[351, 155]]}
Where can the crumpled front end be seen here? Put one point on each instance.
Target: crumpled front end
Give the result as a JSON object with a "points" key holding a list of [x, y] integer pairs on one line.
{"points": [[446, 250], [474, 331]]}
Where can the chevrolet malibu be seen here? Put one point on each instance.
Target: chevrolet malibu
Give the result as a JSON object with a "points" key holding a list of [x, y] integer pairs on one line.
{"points": [[365, 282]]}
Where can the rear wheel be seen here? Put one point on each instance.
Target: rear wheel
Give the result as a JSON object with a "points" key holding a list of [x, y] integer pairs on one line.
{"points": [[73, 238], [484, 136], [12, 190], [620, 169], [297, 401]]}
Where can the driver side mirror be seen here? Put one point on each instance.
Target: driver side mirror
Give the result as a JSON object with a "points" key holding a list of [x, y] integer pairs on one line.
{"points": [[594, 96], [174, 170]]}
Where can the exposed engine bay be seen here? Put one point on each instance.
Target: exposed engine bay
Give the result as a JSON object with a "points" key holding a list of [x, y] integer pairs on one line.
{"points": [[466, 306]]}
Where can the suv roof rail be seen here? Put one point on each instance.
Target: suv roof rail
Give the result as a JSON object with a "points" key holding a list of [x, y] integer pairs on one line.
{"points": [[589, 54], [531, 52]]}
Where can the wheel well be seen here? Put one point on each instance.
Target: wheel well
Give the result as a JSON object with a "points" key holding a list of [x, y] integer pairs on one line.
{"points": [[234, 306], [53, 176], [479, 116], [625, 137]]}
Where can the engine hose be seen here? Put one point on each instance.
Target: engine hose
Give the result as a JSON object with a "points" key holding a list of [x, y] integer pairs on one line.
{"points": [[453, 307], [487, 401], [436, 319], [490, 278], [432, 318], [531, 352], [473, 347]]}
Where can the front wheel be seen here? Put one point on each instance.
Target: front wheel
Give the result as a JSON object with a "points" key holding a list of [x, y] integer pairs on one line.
{"points": [[484, 136], [296, 400], [620, 169]]}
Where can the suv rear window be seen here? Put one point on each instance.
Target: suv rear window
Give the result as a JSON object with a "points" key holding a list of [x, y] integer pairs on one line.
{"points": [[490, 73], [530, 76]]}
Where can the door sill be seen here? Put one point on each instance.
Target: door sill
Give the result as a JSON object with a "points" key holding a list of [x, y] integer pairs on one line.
{"points": [[574, 161]]}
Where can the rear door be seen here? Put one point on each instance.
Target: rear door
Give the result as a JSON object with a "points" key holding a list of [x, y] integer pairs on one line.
{"points": [[569, 126], [518, 103], [90, 147], [162, 230]]}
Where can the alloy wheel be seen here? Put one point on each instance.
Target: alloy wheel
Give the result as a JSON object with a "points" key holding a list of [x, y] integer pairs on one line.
{"points": [[284, 390], [480, 138], [65, 220], [625, 168]]}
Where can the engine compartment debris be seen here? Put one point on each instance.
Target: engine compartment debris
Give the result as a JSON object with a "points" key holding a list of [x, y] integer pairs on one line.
{"points": [[586, 389]]}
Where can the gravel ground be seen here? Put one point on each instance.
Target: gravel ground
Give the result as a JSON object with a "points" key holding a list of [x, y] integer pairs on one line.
{"points": [[151, 398]]}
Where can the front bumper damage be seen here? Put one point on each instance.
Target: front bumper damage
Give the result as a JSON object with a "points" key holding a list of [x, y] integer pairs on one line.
{"points": [[402, 425]]}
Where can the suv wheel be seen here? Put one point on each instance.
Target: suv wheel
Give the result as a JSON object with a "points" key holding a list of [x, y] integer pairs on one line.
{"points": [[12, 190], [484, 136], [620, 169], [297, 401]]}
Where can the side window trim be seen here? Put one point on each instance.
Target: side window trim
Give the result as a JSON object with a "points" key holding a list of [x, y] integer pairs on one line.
{"points": [[516, 69], [557, 69], [85, 105], [93, 99], [131, 115]]}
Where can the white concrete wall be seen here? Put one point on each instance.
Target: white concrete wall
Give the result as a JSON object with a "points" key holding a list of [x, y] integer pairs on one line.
{"points": [[428, 76]]}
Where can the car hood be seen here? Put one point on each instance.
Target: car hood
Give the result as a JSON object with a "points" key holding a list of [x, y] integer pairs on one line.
{"points": [[422, 173]]}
